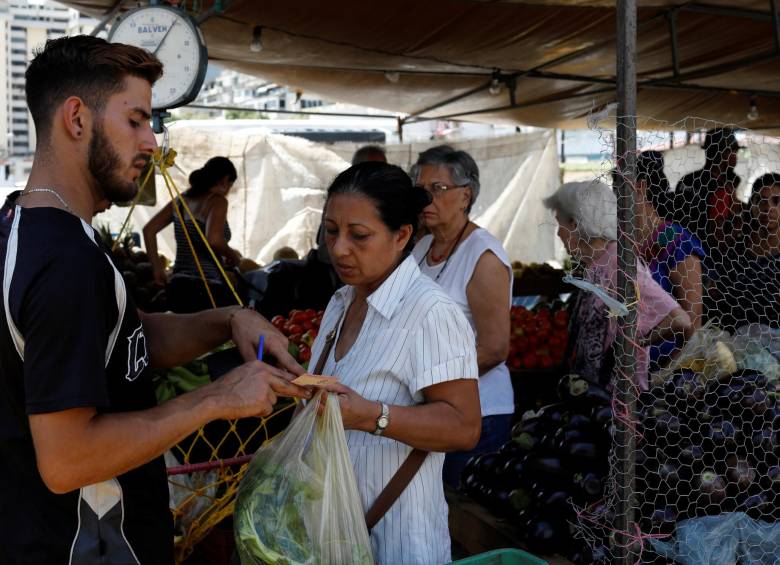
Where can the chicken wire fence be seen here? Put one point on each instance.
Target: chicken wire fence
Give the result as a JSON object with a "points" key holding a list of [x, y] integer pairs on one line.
{"points": [[692, 474]]}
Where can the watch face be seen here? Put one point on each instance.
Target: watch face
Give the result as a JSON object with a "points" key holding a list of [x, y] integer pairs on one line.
{"points": [[174, 39], [382, 422]]}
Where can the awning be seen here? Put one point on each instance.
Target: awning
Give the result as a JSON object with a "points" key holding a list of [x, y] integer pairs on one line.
{"points": [[554, 60]]}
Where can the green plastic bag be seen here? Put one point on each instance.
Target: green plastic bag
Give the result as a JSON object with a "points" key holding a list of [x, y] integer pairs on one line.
{"points": [[299, 503]]}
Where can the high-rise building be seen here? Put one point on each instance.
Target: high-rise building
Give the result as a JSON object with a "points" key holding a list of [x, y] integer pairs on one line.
{"points": [[25, 25]]}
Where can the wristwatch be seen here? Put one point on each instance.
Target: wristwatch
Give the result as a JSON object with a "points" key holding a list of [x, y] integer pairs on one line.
{"points": [[383, 420]]}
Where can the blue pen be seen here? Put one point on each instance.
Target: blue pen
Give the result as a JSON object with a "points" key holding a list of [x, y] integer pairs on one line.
{"points": [[260, 345]]}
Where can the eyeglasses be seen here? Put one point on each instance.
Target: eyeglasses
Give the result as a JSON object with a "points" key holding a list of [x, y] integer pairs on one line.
{"points": [[440, 187]]}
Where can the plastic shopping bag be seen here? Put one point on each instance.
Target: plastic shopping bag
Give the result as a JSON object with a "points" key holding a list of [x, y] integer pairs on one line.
{"points": [[298, 502]]}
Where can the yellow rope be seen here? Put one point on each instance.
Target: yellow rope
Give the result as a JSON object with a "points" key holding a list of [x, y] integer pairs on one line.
{"points": [[132, 206]]}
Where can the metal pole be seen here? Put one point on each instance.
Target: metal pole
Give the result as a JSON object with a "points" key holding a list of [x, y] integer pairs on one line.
{"points": [[625, 442]]}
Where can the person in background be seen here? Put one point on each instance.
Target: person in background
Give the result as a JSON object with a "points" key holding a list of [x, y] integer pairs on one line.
{"points": [[207, 199], [405, 357], [704, 200], [285, 253], [748, 291], [674, 256], [369, 153], [586, 213], [473, 268]]}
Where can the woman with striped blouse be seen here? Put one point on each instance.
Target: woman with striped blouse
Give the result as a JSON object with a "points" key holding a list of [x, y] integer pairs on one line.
{"points": [[405, 357]]}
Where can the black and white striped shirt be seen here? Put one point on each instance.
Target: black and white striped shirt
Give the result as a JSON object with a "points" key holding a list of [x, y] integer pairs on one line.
{"points": [[413, 336]]}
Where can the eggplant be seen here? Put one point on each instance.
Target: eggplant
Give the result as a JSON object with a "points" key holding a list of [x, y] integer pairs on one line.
{"points": [[712, 486], [663, 520], [669, 474], [588, 483], [566, 436], [500, 501], [513, 469], [557, 499], [757, 506], [756, 402], [574, 389], [486, 466], [470, 484], [527, 442], [573, 421], [580, 451], [773, 478], [722, 433], [766, 441], [750, 377], [740, 473], [686, 385], [543, 537], [534, 426], [547, 467], [602, 416], [692, 455], [521, 499], [511, 449]]}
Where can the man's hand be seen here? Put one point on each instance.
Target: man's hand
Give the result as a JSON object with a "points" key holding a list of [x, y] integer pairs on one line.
{"points": [[252, 390], [246, 328]]}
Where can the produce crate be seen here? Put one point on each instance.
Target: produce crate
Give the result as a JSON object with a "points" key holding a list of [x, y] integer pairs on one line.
{"points": [[476, 530], [502, 557]]}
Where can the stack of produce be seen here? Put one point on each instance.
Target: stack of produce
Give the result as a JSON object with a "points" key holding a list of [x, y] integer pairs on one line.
{"points": [[137, 272], [710, 444], [301, 328], [558, 458], [538, 337]]}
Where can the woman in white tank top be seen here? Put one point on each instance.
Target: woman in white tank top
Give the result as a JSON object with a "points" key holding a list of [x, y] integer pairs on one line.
{"points": [[473, 268]]}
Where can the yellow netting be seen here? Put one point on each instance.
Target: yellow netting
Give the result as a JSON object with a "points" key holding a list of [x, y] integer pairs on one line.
{"points": [[211, 462]]}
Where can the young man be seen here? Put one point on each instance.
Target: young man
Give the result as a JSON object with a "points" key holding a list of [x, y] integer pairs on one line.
{"points": [[80, 435]]}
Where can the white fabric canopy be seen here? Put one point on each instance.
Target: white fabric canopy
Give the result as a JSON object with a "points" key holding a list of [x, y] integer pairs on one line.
{"points": [[278, 196]]}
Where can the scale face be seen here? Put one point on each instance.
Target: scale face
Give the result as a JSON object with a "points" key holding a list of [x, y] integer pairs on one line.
{"points": [[174, 37]]}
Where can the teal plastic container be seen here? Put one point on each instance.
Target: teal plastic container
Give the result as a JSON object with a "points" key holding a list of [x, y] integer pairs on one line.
{"points": [[502, 557]]}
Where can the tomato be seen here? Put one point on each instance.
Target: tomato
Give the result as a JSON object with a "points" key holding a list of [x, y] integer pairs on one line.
{"points": [[307, 325], [296, 339], [307, 338], [310, 313], [304, 354], [299, 317], [294, 328], [561, 319], [530, 361], [278, 319]]}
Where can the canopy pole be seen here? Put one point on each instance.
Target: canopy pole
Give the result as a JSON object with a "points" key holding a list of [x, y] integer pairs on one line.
{"points": [[623, 548], [776, 22]]}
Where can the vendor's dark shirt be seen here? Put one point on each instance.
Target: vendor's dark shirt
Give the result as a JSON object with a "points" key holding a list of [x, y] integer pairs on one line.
{"points": [[71, 337], [745, 291], [695, 199]]}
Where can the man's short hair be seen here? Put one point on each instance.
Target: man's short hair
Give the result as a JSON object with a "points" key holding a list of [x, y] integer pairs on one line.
{"points": [[369, 153], [84, 66]]}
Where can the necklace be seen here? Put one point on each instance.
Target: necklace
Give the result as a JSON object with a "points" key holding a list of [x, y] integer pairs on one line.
{"points": [[49, 191], [457, 241]]}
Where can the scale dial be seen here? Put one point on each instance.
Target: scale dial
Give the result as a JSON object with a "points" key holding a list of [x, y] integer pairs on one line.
{"points": [[174, 37]]}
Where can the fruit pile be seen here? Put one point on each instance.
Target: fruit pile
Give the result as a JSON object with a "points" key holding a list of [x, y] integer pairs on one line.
{"points": [[558, 456], [137, 272], [538, 337], [301, 328], [709, 446]]}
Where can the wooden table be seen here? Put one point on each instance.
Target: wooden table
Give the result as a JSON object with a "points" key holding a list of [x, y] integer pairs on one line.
{"points": [[476, 530]]}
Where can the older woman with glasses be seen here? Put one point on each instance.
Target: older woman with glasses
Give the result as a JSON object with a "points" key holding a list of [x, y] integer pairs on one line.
{"points": [[473, 268]]}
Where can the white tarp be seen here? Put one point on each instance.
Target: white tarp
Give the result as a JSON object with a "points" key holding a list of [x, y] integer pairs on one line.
{"points": [[278, 196]]}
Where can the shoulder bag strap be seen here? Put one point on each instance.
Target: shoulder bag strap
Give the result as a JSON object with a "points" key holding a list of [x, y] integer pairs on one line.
{"points": [[398, 483]]}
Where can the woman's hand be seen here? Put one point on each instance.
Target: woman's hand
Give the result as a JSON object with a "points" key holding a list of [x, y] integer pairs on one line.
{"points": [[246, 327], [357, 413]]}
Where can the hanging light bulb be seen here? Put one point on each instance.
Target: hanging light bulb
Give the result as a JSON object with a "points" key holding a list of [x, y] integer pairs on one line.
{"points": [[256, 45], [495, 86], [392, 76], [753, 114]]}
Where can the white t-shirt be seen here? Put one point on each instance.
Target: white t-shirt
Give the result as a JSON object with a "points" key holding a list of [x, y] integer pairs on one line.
{"points": [[413, 336], [495, 386]]}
